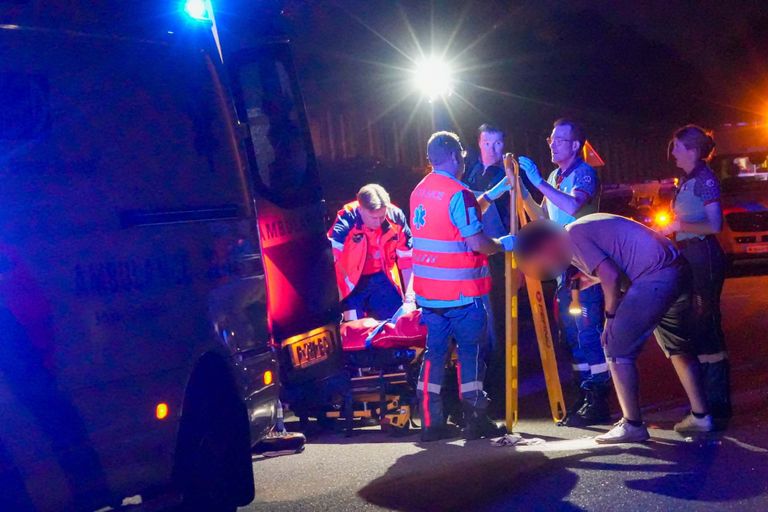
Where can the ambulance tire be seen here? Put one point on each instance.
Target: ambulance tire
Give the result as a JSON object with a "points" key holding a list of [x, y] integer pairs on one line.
{"points": [[213, 467]]}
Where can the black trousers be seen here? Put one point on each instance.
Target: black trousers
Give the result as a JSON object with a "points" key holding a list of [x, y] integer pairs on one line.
{"points": [[708, 264]]}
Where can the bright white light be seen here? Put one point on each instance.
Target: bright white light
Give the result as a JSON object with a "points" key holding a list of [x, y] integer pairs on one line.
{"points": [[434, 78], [198, 9]]}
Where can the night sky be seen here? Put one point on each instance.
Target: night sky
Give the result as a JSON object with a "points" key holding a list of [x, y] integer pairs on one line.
{"points": [[620, 65]]}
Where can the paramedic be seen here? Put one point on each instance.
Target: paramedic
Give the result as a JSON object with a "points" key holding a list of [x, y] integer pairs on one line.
{"points": [[570, 192], [698, 218], [451, 276], [372, 249]]}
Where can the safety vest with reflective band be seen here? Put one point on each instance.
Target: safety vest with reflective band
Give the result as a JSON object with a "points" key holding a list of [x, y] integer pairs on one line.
{"points": [[350, 246], [444, 267]]}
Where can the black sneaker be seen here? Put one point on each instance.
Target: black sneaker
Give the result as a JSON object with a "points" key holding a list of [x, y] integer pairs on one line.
{"points": [[276, 444], [482, 427], [438, 433]]}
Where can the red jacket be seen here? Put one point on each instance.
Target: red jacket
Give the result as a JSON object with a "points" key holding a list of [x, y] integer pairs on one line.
{"points": [[444, 267], [350, 246]]}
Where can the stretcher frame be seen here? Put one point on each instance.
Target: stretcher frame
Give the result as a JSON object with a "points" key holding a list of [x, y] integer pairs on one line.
{"points": [[513, 280]]}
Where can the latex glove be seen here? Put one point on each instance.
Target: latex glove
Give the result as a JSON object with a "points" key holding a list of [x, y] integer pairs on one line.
{"points": [[508, 241], [499, 189], [531, 171], [408, 307]]}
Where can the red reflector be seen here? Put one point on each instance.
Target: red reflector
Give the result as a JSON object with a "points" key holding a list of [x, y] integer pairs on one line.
{"points": [[161, 411], [268, 377]]}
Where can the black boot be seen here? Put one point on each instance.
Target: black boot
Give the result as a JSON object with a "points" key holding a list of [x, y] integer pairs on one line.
{"points": [[439, 432], [573, 411], [480, 425], [595, 410]]}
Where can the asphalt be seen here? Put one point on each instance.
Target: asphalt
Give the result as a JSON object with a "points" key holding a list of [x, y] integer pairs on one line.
{"points": [[724, 471]]}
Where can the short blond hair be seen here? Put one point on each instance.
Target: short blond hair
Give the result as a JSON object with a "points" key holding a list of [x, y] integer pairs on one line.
{"points": [[373, 197]]}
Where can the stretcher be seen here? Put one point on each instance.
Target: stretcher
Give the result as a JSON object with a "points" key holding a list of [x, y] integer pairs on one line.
{"points": [[383, 359]]}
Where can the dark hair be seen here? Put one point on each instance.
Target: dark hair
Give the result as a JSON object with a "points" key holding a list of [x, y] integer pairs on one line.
{"points": [[694, 137], [442, 145], [489, 128], [577, 130], [534, 236]]}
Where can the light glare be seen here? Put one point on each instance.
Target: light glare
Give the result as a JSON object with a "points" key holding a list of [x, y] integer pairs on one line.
{"points": [[434, 78], [197, 9]]}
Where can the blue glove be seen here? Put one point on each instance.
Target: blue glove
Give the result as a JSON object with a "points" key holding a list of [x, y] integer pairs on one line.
{"points": [[531, 171], [508, 241], [499, 189]]}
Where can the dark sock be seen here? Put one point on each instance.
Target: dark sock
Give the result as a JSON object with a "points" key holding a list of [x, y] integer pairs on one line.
{"points": [[634, 423], [699, 415]]}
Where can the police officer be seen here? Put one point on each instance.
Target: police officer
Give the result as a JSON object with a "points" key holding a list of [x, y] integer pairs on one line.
{"points": [[572, 191], [451, 276], [698, 217], [372, 247], [482, 176]]}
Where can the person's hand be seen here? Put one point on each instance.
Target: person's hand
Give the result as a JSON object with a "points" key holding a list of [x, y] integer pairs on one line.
{"points": [[508, 241], [499, 189], [531, 171], [408, 307]]}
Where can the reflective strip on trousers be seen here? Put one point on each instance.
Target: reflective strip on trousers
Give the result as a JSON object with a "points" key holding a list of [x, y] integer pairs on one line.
{"points": [[598, 368], [713, 358], [426, 417], [475, 385], [581, 367], [431, 388]]}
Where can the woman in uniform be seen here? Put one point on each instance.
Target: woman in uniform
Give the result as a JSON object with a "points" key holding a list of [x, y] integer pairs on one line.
{"points": [[698, 217]]}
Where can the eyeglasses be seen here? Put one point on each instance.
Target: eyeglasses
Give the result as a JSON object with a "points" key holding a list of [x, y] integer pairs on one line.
{"points": [[557, 141]]}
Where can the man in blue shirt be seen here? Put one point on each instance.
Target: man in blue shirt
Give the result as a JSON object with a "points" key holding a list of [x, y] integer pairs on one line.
{"points": [[571, 192]]}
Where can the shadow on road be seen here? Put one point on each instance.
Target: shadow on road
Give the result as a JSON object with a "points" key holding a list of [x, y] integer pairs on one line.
{"points": [[443, 479]]}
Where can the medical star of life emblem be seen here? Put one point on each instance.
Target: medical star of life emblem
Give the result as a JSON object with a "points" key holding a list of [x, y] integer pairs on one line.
{"points": [[419, 217]]}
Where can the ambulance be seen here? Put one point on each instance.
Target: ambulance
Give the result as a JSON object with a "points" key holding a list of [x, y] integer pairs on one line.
{"points": [[163, 258]]}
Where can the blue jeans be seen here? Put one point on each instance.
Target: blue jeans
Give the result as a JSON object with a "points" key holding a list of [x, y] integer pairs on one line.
{"points": [[374, 296], [467, 326], [583, 333]]}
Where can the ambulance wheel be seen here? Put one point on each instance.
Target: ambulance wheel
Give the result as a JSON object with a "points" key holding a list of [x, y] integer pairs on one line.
{"points": [[213, 468]]}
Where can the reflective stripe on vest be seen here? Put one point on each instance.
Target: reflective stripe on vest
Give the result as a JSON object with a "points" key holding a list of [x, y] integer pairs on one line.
{"points": [[444, 267]]}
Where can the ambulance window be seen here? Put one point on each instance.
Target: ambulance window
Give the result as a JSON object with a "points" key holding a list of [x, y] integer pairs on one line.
{"points": [[269, 104], [24, 108]]}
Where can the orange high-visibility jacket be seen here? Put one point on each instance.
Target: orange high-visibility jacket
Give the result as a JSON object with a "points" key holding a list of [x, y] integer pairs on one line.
{"points": [[350, 246], [444, 267]]}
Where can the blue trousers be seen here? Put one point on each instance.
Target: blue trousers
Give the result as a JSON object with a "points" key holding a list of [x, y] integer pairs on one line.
{"points": [[374, 296], [467, 326], [582, 333]]}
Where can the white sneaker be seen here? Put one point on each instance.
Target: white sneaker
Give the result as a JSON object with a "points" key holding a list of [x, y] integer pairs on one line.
{"points": [[623, 432], [693, 424]]}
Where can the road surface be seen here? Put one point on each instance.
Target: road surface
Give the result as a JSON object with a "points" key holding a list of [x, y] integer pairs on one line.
{"points": [[727, 471]]}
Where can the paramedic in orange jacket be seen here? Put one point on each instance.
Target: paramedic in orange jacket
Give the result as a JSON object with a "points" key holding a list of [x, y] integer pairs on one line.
{"points": [[372, 248], [451, 277]]}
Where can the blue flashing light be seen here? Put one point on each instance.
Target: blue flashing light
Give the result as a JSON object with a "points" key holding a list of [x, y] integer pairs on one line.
{"points": [[198, 9]]}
